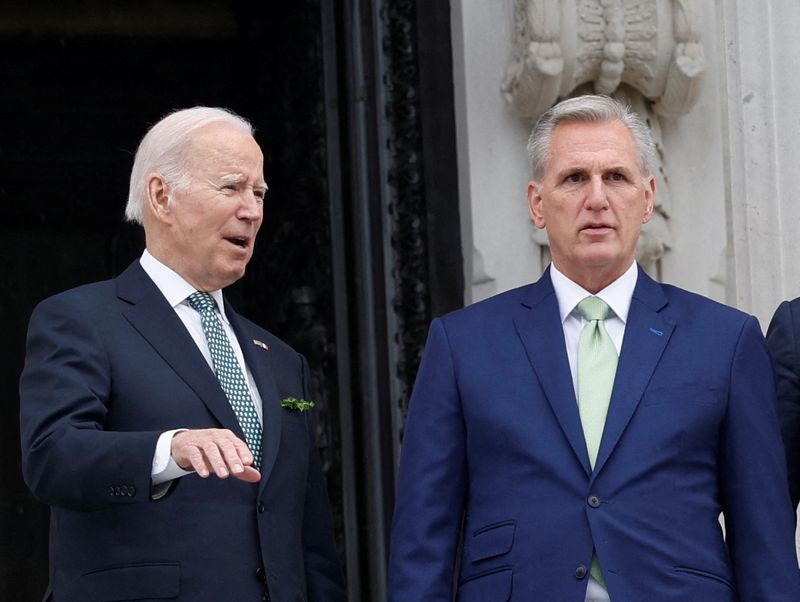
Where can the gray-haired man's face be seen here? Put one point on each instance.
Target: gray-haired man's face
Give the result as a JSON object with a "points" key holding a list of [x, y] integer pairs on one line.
{"points": [[593, 200]]}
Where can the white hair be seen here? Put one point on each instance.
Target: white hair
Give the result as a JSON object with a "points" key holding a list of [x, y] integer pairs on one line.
{"points": [[163, 150], [595, 109]]}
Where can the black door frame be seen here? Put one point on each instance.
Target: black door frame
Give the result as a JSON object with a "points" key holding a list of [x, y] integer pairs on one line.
{"points": [[395, 224]]}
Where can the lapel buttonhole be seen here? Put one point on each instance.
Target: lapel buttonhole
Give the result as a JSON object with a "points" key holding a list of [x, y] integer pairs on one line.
{"points": [[258, 343]]}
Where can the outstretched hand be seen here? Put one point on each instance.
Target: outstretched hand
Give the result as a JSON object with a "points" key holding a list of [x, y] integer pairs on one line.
{"points": [[217, 451]]}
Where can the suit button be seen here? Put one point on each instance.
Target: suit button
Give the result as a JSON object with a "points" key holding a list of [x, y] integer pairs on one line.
{"points": [[111, 491], [262, 508], [580, 572], [261, 575], [594, 501], [131, 491]]}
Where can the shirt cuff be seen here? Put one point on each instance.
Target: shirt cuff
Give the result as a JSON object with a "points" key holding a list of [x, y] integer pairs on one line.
{"points": [[164, 467]]}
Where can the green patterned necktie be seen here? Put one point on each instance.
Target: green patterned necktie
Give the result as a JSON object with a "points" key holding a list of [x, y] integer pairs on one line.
{"points": [[229, 372], [597, 367]]}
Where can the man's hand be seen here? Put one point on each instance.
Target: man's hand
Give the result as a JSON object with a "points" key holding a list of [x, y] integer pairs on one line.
{"points": [[214, 450]]}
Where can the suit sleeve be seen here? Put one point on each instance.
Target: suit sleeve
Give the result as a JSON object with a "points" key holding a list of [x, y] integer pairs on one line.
{"points": [[432, 481], [782, 342], [758, 517], [68, 459], [323, 573]]}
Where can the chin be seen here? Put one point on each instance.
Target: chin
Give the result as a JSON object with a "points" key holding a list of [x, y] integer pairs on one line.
{"points": [[597, 258], [235, 274], [223, 278]]}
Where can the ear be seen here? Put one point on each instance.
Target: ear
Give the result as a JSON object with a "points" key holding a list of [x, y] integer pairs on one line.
{"points": [[158, 199], [535, 204], [649, 198]]}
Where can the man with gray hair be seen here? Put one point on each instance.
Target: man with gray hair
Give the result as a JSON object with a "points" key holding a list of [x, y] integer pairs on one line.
{"points": [[143, 395], [576, 439]]}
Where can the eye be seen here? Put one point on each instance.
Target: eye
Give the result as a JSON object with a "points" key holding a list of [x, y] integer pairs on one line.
{"points": [[574, 178], [617, 177]]}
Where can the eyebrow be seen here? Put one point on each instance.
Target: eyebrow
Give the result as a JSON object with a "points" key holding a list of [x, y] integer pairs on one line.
{"points": [[581, 169], [239, 178], [232, 179]]}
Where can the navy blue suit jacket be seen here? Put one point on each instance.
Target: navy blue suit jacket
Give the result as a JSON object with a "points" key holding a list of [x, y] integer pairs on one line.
{"points": [[109, 367], [783, 338], [494, 439]]}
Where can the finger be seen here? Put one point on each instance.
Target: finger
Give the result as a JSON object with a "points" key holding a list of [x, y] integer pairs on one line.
{"points": [[231, 455], [243, 452], [214, 459], [187, 451], [249, 475], [196, 460]]}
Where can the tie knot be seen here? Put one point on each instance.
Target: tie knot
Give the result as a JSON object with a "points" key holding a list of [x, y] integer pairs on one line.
{"points": [[593, 308], [202, 301]]}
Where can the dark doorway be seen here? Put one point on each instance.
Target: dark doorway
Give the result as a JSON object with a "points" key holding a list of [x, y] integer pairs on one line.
{"points": [[345, 96]]}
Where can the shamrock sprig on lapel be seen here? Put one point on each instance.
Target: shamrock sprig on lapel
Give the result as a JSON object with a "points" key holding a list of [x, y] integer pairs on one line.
{"points": [[301, 405]]}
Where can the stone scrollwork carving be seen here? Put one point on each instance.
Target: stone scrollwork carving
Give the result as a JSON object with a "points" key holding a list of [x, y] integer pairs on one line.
{"points": [[533, 80], [653, 46], [648, 53], [688, 62]]}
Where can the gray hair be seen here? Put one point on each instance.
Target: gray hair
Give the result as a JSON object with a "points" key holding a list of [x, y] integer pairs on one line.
{"points": [[589, 108], [163, 150]]}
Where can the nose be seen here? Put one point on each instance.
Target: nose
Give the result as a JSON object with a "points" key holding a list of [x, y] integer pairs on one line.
{"points": [[596, 197], [251, 208]]}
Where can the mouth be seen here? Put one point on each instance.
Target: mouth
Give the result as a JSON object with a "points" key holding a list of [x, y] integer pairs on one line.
{"points": [[596, 229], [240, 241]]}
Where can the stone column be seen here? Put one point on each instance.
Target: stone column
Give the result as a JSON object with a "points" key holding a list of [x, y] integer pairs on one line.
{"points": [[762, 164]]}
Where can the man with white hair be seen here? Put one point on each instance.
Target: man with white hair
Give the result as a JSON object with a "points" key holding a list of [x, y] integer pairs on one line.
{"points": [[169, 434]]}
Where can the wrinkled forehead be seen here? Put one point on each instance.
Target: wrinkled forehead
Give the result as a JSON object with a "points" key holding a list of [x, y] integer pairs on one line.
{"points": [[575, 140], [223, 147]]}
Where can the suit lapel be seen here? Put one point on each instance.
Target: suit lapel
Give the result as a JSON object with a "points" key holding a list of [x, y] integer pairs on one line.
{"points": [[538, 324], [258, 361], [149, 313], [646, 336]]}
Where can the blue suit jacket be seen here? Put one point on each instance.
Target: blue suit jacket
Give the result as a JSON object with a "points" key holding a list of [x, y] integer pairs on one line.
{"points": [[109, 367], [494, 439]]}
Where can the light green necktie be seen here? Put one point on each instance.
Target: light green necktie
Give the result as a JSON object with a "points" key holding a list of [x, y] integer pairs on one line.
{"points": [[597, 367]]}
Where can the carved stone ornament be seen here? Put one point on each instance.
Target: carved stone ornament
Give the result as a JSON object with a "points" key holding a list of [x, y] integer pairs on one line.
{"points": [[646, 53], [653, 46]]}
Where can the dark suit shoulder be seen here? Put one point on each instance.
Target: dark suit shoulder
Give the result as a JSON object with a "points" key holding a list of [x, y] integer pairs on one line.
{"points": [[794, 304], [101, 294], [786, 313], [95, 295]]}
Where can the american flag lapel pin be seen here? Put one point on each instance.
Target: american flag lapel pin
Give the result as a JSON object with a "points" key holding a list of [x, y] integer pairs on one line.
{"points": [[258, 343]]}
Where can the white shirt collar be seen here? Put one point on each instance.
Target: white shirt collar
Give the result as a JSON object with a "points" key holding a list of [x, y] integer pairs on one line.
{"points": [[618, 294], [172, 285]]}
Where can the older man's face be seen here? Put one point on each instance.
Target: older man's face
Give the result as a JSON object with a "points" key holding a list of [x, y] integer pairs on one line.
{"points": [[214, 221], [593, 200]]}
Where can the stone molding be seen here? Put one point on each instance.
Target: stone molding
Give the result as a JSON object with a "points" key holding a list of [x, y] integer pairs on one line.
{"points": [[653, 46]]}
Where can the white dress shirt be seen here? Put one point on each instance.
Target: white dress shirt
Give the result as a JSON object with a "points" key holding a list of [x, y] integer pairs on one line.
{"points": [[618, 296], [176, 291]]}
